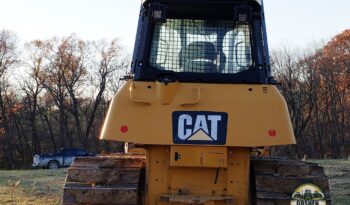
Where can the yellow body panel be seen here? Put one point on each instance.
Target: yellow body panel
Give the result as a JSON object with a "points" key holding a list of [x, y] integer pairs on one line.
{"points": [[162, 178], [141, 112], [198, 166], [193, 156]]}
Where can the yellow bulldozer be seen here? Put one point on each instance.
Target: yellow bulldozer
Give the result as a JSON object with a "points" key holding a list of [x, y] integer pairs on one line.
{"points": [[198, 106]]}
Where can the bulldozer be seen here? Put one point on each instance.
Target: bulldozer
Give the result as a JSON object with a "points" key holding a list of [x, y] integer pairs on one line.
{"points": [[199, 111]]}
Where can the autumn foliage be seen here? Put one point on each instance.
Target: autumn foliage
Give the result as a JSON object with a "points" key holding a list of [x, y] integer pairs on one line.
{"points": [[55, 95], [56, 92], [316, 87]]}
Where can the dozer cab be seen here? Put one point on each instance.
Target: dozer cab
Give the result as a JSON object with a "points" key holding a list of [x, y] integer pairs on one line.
{"points": [[200, 99]]}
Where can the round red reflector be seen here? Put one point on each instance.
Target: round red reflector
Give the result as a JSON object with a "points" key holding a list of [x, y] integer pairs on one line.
{"points": [[124, 129], [272, 133]]}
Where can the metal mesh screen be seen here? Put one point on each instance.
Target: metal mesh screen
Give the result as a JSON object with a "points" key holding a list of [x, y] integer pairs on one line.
{"points": [[201, 46]]}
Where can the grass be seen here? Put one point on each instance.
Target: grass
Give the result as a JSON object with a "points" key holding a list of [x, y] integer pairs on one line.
{"points": [[31, 187], [338, 172], [39, 187]]}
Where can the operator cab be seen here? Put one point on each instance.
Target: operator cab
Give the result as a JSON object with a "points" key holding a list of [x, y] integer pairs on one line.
{"points": [[206, 41]]}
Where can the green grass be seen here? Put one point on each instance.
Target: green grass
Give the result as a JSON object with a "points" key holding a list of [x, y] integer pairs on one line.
{"points": [[26, 187], [39, 187], [338, 172]]}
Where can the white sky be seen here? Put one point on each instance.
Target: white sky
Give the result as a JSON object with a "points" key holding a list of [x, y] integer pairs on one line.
{"points": [[298, 22]]}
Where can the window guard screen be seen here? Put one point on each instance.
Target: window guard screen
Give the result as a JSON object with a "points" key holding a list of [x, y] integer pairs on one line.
{"points": [[201, 46]]}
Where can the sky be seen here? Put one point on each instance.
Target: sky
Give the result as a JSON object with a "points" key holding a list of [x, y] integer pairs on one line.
{"points": [[293, 22]]}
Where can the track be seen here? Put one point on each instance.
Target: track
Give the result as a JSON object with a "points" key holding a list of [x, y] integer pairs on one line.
{"points": [[119, 180], [275, 180], [112, 180]]}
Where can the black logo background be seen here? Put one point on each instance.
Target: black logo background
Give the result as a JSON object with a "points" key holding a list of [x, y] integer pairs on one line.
{"points": [[222, 127]]}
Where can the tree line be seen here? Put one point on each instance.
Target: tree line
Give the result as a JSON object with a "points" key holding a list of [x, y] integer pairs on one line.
{"points": [[54, 94], [316, 86]]}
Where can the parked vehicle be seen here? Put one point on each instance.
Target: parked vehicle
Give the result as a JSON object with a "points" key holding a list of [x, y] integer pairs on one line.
{"points": [[62, 158]]}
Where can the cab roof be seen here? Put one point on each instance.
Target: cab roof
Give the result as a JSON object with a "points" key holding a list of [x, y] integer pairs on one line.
{"points": [[203, 1]]}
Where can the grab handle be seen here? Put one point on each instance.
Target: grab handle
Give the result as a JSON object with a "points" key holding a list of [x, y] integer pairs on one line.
{"points": [[196, 100], [134, 99]]}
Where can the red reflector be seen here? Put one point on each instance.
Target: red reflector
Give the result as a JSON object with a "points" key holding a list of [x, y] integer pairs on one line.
{"points": [[124, 129], [272, 133]]}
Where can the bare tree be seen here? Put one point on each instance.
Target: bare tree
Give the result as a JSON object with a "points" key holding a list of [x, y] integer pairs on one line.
{"points": [[316, 88], [8, 59], [294, 86], [72, 53], [106, 63], [32, 87], [52, 79]]}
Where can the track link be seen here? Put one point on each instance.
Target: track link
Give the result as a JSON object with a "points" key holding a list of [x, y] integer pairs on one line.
{"points": [[112, 180], [275, 179]]}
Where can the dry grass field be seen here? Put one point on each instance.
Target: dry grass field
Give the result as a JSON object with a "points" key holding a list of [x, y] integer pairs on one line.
{"points": [[31, 187], [338, 172], [39, 187]]}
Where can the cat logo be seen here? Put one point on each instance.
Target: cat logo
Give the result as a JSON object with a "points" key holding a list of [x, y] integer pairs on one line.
{"points": [[197, 127]]}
